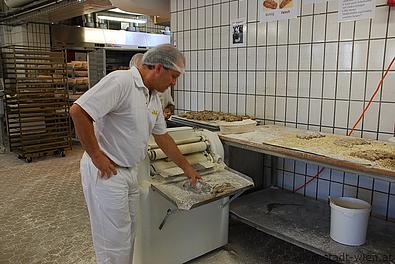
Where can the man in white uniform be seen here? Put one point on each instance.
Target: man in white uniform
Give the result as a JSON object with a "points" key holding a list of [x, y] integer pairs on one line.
{"points": [[126, 109], [165, 97]]}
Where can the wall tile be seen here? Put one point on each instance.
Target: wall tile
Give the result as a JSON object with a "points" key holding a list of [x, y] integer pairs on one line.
{"points": [[294, 30], [216, 16], [346, 30], [306, 35], [391, 26], [319, 28], [328, 107], [292, 84], [252, 6], [209, 16], [261, 31], [316, 84], [216, 102], [271, 33], [270, 83], [224, 103], [305, 57], [251, 82], [260, 83], [291, 110], [194, 22], [387, 117], [259, 108], [379, 22], [282, 58], [261, 58], [232, 103], [201, 39], [332, 27], [343, 85], [251, 34], [282, 32], [356, 109], [243, 9], [225, 38], [376, 54], [241, 59], [250, 107], [280, 108], [241, 105], [331, 56], [269, 108], [225, 59], [281, 84], [318, 57], [216, 38], [234, 11], [225, 14], [388, 93], [304, 84], [241, 82]]}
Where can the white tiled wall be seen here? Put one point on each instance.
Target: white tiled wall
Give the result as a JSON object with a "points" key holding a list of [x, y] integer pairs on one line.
{"points": [[30, 35], [308, 72]]}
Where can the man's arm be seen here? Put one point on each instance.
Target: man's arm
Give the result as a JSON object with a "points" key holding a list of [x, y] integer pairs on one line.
{"points": [[83, 125], [167, 144]]}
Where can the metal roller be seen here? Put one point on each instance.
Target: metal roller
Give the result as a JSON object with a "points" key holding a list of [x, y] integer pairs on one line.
{"points": [[181, 141], [157, 154]]}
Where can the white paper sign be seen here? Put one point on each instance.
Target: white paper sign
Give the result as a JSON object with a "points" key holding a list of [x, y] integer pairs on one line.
{"points": [[351, 10], [273, 10], [238, 32]]}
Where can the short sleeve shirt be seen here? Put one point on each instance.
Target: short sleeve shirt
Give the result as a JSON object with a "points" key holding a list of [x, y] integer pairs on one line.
{"points": [[125, 115]]}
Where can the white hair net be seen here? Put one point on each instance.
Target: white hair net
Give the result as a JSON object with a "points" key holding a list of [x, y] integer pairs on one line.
{"points": [[136, 60], [167, 55]]}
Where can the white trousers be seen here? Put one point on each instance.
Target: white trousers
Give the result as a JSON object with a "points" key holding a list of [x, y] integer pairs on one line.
{"points": [[112, 205]]}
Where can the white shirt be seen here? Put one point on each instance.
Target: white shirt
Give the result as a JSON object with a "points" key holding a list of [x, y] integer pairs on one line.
{"points": [[165, 98], [124, 114]]}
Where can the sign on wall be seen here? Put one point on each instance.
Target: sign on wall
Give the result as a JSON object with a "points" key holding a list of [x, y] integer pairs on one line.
{"points": [[352, 10], [238, 32], [273, 10]]}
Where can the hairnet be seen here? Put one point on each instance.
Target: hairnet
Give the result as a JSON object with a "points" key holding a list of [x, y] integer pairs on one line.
{"points": [[136, 60], [167, 55]]}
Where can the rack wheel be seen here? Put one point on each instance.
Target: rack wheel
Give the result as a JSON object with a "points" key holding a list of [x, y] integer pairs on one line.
{"points": [[62, 154], [29, 159]]}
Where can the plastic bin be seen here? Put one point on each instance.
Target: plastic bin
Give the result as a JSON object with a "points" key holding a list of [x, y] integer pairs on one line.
{"points": [[349, 220]]}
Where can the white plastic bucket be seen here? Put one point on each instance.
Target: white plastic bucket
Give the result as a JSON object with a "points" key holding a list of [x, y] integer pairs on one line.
{"points": [[349, 220]]}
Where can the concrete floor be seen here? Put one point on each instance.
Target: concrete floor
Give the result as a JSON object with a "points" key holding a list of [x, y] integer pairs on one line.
{"points": [[44, 219]]}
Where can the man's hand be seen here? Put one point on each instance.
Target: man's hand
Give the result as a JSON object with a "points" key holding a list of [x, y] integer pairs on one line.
{"points": [[192, 175], [167, 113], [106, 166]]}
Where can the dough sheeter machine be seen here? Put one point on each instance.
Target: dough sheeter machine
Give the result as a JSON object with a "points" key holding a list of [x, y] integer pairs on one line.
{"points": [[178, 222]]}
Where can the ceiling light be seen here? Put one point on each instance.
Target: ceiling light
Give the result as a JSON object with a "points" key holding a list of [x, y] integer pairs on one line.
{"points": [[117, 10], [123, 19]]}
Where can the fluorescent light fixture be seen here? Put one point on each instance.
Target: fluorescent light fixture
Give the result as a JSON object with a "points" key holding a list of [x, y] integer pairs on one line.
{"points": [[117, 10], [123, 19]]}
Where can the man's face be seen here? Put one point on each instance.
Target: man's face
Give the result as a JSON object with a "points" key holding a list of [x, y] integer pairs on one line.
{"points": [[165, 77]]}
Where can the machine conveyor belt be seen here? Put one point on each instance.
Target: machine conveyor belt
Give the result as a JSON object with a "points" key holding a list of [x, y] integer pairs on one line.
{"points": [[216, 185]]}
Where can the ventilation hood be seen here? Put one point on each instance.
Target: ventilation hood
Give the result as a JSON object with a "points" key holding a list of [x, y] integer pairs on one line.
{"points": [[159, 8], [84, 37], [44, 11]]}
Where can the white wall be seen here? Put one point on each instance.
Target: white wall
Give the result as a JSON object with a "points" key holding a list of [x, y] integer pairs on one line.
{"points": [[308, 72]]}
